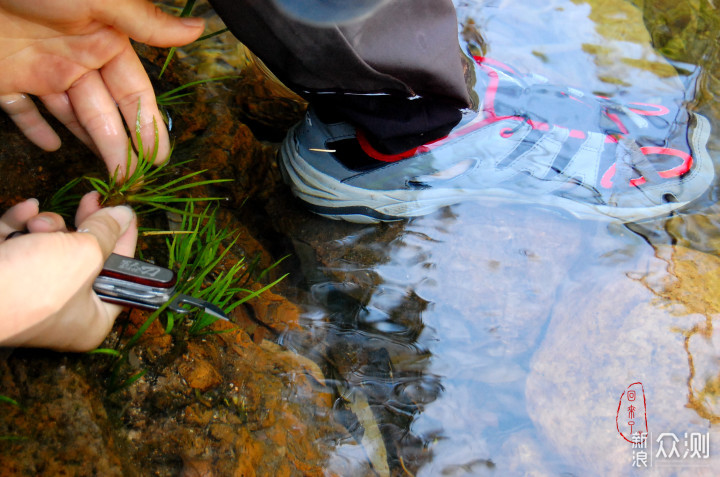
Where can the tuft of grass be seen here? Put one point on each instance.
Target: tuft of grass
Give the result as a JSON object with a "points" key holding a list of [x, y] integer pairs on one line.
{"points": [[196, 258], [150, 187]]}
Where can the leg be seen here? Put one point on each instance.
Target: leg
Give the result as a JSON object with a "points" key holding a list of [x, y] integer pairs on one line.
{"points": [[385, 93], [408, 48]]}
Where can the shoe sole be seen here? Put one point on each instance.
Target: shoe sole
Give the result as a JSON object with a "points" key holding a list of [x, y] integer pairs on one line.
{"points": [[326, 196]]}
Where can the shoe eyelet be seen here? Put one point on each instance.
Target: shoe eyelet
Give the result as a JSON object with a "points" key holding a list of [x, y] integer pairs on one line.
{"points": [[507, 132], [647, 109]]}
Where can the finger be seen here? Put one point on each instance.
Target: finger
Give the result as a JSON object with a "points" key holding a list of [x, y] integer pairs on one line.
{"points": [[144, 22], [127, 242], [46, 222], [51, 302], [16, 217], [107, 226], [59, 106], [98, 115], [89, 204], [26, 116], [128, 83]]}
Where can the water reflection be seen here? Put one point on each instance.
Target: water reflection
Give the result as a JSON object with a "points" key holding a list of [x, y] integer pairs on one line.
{"points": [[438, 332], [496, 338]]}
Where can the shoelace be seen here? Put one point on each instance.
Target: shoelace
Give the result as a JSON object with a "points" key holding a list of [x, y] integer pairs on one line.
{"points": [[630, 161]]}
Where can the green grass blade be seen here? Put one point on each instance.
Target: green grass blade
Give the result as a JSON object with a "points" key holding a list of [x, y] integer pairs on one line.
{"points": [[190, 84], [170, 55], [10, 401], [99, 185], [185, 177], [170, 323], [255, 293], [185, 12], [132, 379], [210, 35], [64, 201], [149, 321], [268, 269], [108, 351]]}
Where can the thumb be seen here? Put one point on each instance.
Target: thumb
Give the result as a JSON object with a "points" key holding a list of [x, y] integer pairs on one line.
{"points": [[108, 225], [144, 22]]}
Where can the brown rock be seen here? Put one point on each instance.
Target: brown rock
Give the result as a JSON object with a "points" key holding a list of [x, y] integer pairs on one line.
{"points": [[200, 374], [275, 311]]}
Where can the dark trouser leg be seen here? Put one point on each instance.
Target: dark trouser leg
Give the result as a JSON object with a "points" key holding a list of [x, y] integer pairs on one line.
{"points": [[408, 48]]}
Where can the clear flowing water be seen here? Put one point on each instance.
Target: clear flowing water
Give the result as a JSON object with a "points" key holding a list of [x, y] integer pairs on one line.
{"points": [[495, 339]]}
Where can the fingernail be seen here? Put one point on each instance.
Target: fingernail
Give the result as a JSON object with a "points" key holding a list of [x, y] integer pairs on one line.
{"points": [[45, 219], [122, 214], [37, 202], [193, 22]]}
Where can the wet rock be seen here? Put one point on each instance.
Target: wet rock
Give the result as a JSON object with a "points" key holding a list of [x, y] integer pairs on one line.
{"points": [[691, 288], [243, 407], [230, 403], [276, 312], [644, 320], [196, 468], [61, 426], [200, 375], [686, 32]]}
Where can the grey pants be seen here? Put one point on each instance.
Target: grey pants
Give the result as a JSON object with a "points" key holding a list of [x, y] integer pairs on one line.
{"points": [[407, 48]]}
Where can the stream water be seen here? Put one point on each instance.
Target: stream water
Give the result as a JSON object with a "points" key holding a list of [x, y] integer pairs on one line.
{"points": [[492, 339]]}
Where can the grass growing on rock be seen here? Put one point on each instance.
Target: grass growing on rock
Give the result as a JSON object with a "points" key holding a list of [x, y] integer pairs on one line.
{"points": [[197, 259], [201, 260], [151, 187], [199, 252]]}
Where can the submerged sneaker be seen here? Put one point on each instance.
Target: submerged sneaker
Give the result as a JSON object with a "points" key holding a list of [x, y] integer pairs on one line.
{"points": [[531, 142]]}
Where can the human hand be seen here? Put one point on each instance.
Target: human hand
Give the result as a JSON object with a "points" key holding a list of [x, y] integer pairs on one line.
{"points": [[47, 275], [76, 57]]}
